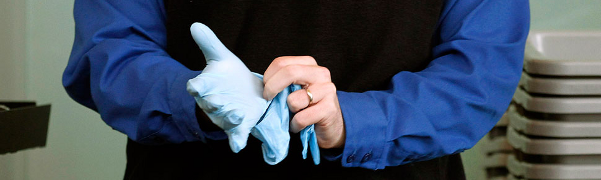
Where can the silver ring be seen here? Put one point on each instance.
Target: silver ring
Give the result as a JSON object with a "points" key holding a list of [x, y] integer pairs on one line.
{"points": [[310, 95]]}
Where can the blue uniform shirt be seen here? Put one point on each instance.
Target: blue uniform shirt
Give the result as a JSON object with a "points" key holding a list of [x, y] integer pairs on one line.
{"points": [[119, 68]]}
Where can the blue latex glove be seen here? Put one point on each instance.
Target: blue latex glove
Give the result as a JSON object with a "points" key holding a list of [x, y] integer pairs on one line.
{"points": [[308, 137], [231, 96], [226, 90], [273, 131]]}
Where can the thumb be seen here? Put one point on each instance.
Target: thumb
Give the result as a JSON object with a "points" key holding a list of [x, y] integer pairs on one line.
{"points": [[208, 42]]}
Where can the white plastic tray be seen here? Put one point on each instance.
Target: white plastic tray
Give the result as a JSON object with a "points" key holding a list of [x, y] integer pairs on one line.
{"points": [[561, 86], [552, 171], [497, 173], [500, 128], [496, 145], [553, 146], [562, 129], [558, 105], [498, 178], [563, 53], [495, 132], [511, 177], [496, 160]]}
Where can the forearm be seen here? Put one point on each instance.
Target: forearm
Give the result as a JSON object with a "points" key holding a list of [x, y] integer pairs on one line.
{"points": [[119, 68], [450, 105]]}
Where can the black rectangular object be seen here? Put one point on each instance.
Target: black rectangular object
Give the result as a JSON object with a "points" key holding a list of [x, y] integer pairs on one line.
{"points": [[24, 126]]}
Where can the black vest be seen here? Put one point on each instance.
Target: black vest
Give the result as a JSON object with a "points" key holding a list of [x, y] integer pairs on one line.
{"points": [[363, 43]]}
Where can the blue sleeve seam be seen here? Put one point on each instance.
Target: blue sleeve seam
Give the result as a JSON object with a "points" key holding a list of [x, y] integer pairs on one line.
{"points": [[154, 133]]}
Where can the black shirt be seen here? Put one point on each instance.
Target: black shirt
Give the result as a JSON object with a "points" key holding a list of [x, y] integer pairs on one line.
{"points": [[362, 43]]}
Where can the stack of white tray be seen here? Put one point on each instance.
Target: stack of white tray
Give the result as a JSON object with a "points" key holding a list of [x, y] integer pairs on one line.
{"points": [[496, 150], [555, 120]]}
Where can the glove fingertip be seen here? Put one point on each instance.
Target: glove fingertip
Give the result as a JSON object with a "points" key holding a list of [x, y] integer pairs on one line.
{"points": [[271, 156], [237, 146], [237, 139], [209, 44], [200, 85]]}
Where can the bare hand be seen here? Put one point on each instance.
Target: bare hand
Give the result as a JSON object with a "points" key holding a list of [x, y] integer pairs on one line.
{"points": [[323, 110]]}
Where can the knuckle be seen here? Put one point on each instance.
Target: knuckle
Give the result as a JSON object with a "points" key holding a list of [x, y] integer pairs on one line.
{"points": [[280, 61], [330, 87], [324, 72], [310, 59]]}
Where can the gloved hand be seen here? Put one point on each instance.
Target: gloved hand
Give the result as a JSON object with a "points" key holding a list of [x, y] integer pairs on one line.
{"points": [[231, 96], [226, 90]]}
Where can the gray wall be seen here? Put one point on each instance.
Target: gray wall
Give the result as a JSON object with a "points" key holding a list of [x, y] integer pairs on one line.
{"points": [[12, 73], [12, 49], [35, 41], [79, 145]]}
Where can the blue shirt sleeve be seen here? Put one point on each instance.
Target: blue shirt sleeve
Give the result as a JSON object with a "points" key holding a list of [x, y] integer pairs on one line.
{"points": [[119, 68], [447, 107]]}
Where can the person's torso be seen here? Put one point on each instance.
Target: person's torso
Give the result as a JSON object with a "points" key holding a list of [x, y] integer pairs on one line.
{"points": [[362, 43]]}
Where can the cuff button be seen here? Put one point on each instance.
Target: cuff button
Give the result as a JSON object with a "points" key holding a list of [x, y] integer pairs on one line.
{"points": [[350, 158], [366, 157]]}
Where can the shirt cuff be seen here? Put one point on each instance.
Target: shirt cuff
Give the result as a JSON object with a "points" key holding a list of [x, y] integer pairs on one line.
{"points": [[365, 122], [332, 154], [182, 106]]}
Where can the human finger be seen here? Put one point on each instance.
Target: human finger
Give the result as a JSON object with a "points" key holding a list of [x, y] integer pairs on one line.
{"points": [[284, 61], [300, 99], [308, 116], [295, 74]]}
